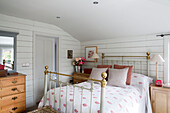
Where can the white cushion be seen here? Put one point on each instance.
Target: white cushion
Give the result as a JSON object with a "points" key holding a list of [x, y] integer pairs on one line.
{"points": [[96, 73], [117, 77]]}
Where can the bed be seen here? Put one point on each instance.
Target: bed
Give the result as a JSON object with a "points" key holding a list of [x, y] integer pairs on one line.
{"points": [[94, 96], [132, 99]]}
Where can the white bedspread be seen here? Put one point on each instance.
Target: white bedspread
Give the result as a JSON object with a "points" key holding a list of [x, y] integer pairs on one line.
{"points": [[132, 99]]}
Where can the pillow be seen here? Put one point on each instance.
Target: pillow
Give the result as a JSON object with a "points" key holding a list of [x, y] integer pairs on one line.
{"points": [[105, 66], [96, 73], [87, 70], [117, 77], [129, 74]]}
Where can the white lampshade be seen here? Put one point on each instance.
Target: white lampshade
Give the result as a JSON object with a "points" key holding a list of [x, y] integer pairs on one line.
{"points": [[157, 58], [95, 55]]}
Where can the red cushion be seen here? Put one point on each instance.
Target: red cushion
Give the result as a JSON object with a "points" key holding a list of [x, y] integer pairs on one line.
{"points": [[128, 80], [105, 66], [87, 70], [1, 67]]}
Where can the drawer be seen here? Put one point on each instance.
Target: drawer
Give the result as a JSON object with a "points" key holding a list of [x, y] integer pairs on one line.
{"points": [[12, 90], [8, 100], [14, 108], [12, 81]]}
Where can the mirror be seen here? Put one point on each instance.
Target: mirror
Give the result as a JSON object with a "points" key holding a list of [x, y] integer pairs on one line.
{"points": [[7, 50]]}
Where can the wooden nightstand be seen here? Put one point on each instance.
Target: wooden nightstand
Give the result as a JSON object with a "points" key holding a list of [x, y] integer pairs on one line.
{"points": [[160, 99], [76, 80]]}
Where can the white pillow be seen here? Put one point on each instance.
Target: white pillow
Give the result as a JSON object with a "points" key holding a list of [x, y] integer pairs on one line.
{"points": [[117, 77], [96, 73]]}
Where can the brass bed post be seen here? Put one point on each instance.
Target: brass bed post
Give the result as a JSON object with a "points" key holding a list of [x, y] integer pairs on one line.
{"points": [[45, 85], [148, 58], [102, 58], [103, 85]]}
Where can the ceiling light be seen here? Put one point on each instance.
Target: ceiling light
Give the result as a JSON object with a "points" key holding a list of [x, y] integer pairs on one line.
{"points": [[95, 2], [58, 17]]}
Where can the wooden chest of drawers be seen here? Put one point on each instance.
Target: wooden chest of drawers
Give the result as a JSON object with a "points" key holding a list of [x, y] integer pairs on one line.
{"points": [[76, 80], [160, 99], [12, 94]]}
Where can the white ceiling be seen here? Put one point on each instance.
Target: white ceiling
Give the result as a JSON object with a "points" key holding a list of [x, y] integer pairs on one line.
{"points": [[86, 21]]}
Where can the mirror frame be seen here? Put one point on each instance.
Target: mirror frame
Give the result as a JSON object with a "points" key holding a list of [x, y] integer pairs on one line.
{"points": [[12, 34]]}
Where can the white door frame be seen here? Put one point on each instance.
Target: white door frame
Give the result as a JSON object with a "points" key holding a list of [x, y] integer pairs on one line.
{"points": [[33, 55]]}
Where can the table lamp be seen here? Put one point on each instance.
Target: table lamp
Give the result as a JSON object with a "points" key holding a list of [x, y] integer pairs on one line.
{"points": [[95, 56], [157, 59]]}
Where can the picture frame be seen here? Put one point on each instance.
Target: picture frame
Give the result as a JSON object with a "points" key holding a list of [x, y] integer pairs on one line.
{"points": [[69, 54], [89, 51]]}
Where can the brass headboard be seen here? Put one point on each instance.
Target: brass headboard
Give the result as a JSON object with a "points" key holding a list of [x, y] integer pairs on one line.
{"points": [[129, 62]]}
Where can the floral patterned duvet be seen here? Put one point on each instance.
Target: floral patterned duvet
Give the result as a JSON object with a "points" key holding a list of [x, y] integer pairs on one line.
{"points": [[117, 99]]}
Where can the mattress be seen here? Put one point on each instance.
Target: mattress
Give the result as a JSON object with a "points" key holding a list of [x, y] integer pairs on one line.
{"points": [[133, 98]]}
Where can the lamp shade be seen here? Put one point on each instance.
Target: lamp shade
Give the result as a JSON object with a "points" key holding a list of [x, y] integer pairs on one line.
{"points": [[157, 58], [95, 55]]}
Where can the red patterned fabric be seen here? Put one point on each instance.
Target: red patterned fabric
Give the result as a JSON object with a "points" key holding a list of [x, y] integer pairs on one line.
{"points": [[87, 70], [1, 67], [105, 66], [129, 74]]}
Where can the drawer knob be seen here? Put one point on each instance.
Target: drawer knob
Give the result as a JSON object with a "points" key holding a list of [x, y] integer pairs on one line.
{"points": [[14, 108], [14, 89], [14, 82], [14, 98]]}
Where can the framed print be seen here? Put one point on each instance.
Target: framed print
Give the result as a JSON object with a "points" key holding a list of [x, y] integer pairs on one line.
{"points": [[89, 51], [69, 54]]}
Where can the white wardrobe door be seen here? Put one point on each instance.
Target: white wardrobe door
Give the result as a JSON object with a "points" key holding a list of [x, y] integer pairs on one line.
{"points": [[44, 55]]}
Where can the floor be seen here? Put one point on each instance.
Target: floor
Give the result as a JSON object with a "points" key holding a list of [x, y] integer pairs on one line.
{"points": [[31, 108]]}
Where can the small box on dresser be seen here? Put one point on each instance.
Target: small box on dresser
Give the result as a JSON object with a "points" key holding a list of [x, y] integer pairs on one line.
{"points": [[160, 99], [12, 94]]}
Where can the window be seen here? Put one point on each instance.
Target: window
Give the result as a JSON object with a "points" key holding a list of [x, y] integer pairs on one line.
{"points": [[7, 50]]}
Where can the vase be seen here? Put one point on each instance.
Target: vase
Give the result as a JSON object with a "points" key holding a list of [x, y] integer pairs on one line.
{"points": [[79, 69], [75, 68]]}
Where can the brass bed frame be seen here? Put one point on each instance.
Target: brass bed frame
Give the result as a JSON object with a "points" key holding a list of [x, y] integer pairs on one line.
{"points": [[48, 77], [122, 61]]}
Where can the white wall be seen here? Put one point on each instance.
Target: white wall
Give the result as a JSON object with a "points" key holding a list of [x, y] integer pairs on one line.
{"points": [[27, 30], [129, 46]]}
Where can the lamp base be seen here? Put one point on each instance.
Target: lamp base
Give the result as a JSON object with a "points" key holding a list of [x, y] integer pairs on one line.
{"points": [[158, 83]]}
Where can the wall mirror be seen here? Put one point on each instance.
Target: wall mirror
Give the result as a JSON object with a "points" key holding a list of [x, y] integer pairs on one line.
{"points": [[8, 50]]}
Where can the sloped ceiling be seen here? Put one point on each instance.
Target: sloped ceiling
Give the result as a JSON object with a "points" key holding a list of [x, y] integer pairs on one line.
{"points": [[86, 21]]}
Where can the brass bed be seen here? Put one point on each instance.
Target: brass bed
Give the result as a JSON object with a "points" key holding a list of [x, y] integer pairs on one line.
{"points": [[52, 82]]}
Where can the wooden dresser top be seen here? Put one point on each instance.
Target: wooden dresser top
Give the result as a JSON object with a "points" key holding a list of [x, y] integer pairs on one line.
{"points": [[12, 76]]}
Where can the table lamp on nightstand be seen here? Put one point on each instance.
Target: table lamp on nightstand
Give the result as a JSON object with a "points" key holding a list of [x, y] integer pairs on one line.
{"points": [[157, 59], [95, 56]]}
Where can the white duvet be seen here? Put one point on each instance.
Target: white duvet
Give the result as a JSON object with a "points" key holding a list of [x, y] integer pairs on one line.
{"points": [[131, 99]]}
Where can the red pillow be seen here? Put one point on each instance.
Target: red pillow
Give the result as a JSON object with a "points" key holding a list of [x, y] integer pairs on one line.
{"points": [[128, 80], [87, 70], [105, 66]]}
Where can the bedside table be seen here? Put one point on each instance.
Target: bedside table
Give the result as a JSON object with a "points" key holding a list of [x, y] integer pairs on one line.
{"points": [[160, 99], [76, 80]]}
